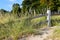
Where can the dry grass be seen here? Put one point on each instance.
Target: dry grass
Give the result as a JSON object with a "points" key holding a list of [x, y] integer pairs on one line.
{"points": [[12, 27]]}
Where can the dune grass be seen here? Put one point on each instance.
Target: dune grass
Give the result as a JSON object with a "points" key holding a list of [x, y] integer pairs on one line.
{"points": [[56, 33], [55, 20], [12, 27]]}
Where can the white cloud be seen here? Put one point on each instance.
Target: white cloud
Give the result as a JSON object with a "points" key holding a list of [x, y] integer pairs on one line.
{"points": [[10, 6]]}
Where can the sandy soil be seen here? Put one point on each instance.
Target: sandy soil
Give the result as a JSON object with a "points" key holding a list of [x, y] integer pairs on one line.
{"points": [[44, 36]]}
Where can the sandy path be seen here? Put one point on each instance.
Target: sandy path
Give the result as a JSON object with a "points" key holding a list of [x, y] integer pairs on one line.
{"points": [[44, 36]]}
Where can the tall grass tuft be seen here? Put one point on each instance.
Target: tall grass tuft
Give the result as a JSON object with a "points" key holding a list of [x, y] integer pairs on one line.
{"points": [[12, 27]]}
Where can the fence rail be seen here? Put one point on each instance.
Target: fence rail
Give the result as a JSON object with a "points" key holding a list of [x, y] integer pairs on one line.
{"points": [[42, 22], [41, 15]]}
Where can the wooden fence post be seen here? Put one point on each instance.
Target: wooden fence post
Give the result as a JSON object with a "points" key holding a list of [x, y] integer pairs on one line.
{"points": [[49, 18]]}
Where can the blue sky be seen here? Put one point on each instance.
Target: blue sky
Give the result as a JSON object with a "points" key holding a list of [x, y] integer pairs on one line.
{"points": [[7, 4]]}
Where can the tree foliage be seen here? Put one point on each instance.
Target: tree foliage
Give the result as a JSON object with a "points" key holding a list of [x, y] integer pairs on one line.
{"points": [[16, 9], [3, 11], [30, 4], [36, 4]]}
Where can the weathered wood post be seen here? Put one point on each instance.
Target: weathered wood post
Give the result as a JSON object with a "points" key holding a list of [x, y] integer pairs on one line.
{"points": [[49, 17]]}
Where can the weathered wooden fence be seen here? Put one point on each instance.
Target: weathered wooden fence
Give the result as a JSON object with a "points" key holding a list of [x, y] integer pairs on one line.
{"points": [[48, 14], [48, 18]]}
